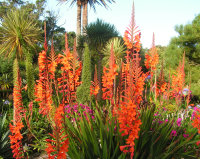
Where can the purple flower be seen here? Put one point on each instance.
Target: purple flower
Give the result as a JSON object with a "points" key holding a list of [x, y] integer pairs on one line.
{"points": [[185, 135], [148, 78], [173, 133], [185, 91], [6, 102], [156, 114], [179, 122], [160, 122], [164, 109]]}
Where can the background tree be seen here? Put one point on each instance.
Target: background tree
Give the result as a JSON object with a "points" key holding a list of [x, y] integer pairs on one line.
{"points": [[188, 41], [98, 33], [7, 5]]}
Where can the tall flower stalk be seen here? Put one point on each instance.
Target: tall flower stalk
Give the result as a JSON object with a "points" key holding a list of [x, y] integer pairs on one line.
{"points": [[108, 79], [16, 137], [152, 59], [65, 85], [178, 82], [133, 79]]}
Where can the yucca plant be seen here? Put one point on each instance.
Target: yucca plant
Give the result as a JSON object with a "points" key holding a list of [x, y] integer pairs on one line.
{"points": [[5, 150], [18, 34]]}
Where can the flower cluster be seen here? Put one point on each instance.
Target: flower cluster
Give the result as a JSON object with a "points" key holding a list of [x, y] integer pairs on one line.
{"points": [[179, 122], [152, 57], [6, 102], [60, 142], [108, 79], [71, 110], [173, 133]]}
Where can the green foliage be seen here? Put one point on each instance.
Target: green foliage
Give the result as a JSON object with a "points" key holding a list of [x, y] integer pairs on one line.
{"points": [[6, 81], [155, 140], [80, 44], [83, 92], [142, 53], [6, 65], [5, 150], [94, 138]]}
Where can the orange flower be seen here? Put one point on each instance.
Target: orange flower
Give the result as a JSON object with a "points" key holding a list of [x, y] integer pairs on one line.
{"points": [[192, 105], [196, 121], [152, 56]]}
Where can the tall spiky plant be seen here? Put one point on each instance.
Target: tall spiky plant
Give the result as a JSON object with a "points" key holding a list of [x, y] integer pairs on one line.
{"points": [[30, 77], [85, 78], [94, 88]]}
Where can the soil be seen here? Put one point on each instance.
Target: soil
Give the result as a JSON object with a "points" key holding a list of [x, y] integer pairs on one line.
{"points": [[39, 156]]}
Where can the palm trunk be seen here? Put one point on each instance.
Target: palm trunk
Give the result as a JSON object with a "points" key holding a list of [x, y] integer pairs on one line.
{"points": [[78, 27], [85, 15]]}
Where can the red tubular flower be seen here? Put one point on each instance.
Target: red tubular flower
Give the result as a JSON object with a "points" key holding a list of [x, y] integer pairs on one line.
{"points": [[133, 78], [108, 78], [16, 137], [60, 142], [152, 57]]}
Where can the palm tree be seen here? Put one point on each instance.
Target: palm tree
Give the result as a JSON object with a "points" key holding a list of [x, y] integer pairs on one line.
{"points": [[84, 4], [18, 34], [97, 35]]}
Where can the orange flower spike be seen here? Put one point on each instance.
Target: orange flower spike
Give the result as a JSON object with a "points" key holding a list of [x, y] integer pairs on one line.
{"points": [[152, 57], [133, 78], [178, 80], [196, 121], [61, 141], [108, 77]]}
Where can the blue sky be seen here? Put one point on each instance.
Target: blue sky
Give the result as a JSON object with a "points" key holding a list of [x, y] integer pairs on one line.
{"points": [[158, 16]]}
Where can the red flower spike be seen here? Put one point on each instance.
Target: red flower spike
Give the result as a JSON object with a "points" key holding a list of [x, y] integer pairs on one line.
{"points": [[152, 57], [133, 81]]}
